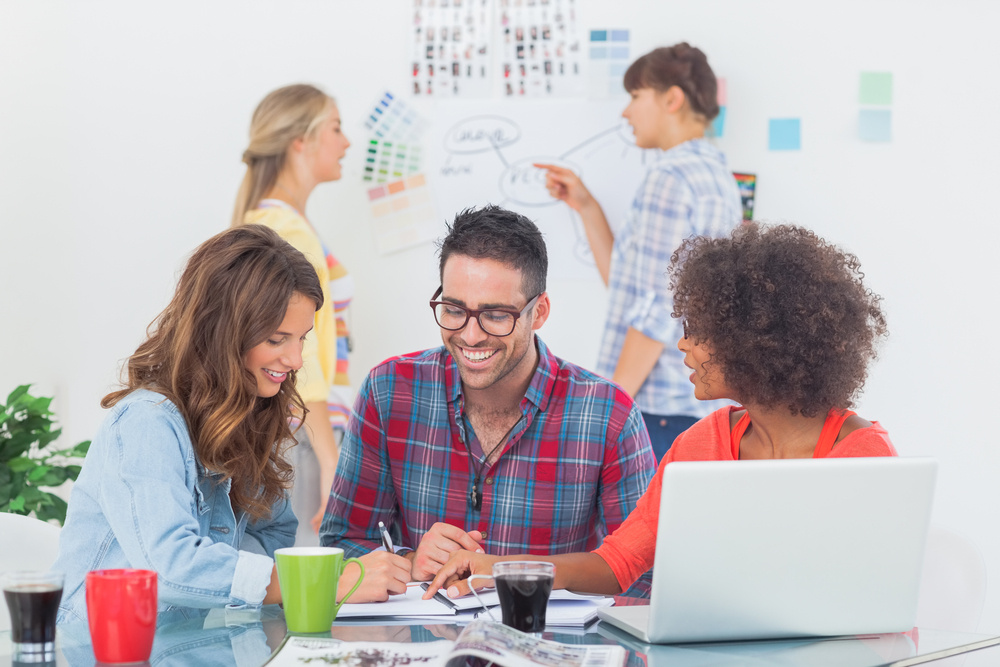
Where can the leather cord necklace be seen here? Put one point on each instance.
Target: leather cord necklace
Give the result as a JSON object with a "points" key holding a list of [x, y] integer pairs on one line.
{"points": [[475, 497]]}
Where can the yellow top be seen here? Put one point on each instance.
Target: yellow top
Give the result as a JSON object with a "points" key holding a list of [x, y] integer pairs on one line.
{"points": [[319, 354]]}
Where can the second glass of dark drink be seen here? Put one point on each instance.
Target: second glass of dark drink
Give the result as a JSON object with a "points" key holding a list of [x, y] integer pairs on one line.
{"points": [[524, 588], [33, 601]]}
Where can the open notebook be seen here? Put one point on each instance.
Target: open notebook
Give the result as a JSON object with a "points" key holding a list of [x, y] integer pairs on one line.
{"points": [[565, 609]]}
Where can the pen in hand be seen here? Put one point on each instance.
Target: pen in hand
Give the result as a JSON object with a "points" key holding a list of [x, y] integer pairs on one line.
{"points": [[386, 540]]}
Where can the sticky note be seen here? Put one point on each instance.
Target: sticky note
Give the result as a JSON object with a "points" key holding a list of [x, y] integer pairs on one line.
{"points": [[598, 35], [619, 52], [619, 35], [784, 134], [617, 70], [598, 52], [875, 88], [720, 95], [719, 124], [875, 125]]}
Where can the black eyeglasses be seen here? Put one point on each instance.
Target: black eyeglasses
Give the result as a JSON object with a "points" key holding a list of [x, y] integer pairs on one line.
{"points": [[494, 321]]}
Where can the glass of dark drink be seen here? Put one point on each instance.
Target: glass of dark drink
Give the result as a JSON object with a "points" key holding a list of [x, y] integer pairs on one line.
{"points": [[523, 588], [33, 601]]}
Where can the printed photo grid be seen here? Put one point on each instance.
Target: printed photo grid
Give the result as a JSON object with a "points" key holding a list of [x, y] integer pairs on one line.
{"points": [[451, 48]]}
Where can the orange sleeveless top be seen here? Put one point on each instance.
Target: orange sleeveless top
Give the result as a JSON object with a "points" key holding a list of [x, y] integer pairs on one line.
{"points": [[827, 437]]}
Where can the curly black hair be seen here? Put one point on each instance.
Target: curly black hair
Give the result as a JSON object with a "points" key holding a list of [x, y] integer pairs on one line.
{"points": [[787, 315]]}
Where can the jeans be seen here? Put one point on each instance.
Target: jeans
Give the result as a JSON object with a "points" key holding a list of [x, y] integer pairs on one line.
{"points": [[664, 429]]}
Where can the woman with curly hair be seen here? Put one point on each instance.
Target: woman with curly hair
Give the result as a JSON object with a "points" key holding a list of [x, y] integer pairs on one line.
{"points": [[775, 319], [191, 456]]}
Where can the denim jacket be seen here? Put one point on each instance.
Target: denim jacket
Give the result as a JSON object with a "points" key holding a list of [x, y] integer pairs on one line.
{"points": [[143, 500]]}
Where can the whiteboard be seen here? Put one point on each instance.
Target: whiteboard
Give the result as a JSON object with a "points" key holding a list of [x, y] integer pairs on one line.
{"points": [[484, 152]]}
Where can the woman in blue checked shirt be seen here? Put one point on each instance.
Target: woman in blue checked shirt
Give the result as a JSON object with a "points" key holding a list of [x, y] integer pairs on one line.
{"points": [[689, 191]]}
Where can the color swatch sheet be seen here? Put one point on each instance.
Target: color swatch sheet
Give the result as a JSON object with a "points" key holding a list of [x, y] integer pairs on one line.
{"points": [[610, 55], [403, 214], [452, 55], [539, 48], [394, 148], [387, 160]]}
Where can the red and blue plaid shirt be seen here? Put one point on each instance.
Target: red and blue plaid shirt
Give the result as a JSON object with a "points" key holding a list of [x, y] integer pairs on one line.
{"points": [[572, 470]]}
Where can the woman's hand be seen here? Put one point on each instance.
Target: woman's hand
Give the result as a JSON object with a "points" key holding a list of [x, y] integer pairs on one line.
{"points": [[385, 574], [454, 574], [566, 186], [437, 545]]}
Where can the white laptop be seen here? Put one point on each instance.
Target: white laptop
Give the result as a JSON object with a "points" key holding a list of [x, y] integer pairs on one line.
{"points": [[790, 548]]}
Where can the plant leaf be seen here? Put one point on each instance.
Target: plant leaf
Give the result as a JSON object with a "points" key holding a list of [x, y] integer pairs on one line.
{"points": [[37, 423], [16, 504], [16, 445], [39, 472], [72, 471], [55, 510], [21, 464], [31, 495], [17, 393], [45, 438], [54, 477]]}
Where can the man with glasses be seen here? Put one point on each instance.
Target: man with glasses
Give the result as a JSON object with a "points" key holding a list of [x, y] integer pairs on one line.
{"points": [[489, 442]]}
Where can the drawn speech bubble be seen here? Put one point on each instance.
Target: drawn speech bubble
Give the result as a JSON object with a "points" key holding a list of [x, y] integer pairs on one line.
{"points": [[479, 134], [524, 183]]}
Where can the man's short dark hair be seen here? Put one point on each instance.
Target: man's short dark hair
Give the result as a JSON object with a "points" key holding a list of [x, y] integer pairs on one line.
{"points": [[504, 236]]}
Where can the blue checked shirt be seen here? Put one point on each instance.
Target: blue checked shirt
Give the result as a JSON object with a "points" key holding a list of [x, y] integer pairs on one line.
{"points": [[689, 191]]}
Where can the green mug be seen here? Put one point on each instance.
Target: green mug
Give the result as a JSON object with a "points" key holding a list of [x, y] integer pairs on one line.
{"points": [[308, 578]]}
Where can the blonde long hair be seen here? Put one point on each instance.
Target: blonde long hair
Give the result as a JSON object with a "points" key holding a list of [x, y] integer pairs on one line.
{"points": [[286, 114], [232, 295]]}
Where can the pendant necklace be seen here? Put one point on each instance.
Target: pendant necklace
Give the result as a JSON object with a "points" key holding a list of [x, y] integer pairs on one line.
{"points": [[475, 497]]}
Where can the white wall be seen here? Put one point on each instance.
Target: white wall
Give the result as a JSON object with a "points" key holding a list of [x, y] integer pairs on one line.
{"points": [[121, 126]]}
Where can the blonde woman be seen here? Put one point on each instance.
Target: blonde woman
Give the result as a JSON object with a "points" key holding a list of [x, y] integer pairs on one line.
{"points": [[296, 143]]}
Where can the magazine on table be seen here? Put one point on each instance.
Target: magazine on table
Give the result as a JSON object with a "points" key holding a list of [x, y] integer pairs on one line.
{"points": [[488, 640]]}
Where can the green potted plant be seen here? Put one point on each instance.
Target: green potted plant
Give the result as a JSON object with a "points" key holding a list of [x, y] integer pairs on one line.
{"points": [[26, 463]]}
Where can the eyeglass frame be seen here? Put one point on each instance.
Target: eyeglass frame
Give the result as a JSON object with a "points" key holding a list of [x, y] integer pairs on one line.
{"points": [[477, 313]]}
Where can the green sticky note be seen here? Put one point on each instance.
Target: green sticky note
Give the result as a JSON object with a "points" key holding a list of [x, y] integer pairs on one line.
{"points": [[876, 88]]}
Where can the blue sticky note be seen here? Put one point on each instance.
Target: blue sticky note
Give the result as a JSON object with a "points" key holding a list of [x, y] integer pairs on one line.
{"points": [[598, 35], [619, 35], [619, 52], [784, 134], [719, 124], [617, 70], [598, 52], [875, 125]]}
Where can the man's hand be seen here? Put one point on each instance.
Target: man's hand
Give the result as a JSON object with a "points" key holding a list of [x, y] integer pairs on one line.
{"points": [[385, 574], [437, 545], [454, 574]]}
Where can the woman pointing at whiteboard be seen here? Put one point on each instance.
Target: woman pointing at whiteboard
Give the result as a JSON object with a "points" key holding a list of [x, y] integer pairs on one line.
{"points": [[689, 191]]}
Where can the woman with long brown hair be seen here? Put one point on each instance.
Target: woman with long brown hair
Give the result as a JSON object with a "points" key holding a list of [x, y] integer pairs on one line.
{"points": [[191, 457], [296, 143]]}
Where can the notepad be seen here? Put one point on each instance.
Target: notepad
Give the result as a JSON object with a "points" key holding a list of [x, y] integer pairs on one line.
{"points": [[565, 609]]}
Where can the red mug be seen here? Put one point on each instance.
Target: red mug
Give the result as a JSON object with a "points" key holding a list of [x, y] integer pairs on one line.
{"points": [[121, 613]]}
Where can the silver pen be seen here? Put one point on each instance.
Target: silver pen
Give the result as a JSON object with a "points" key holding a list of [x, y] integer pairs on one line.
{"points": [[386, 540]]}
